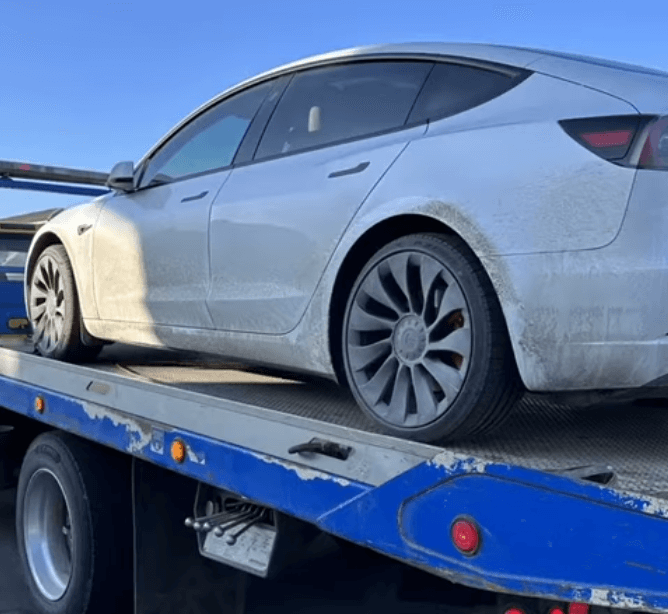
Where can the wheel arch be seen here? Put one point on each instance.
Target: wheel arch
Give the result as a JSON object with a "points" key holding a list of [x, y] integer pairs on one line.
{"points": [[373, 239], [41, 242]]}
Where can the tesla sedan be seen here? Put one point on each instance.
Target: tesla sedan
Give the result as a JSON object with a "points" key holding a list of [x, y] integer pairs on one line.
{"points": [[436, 226]]}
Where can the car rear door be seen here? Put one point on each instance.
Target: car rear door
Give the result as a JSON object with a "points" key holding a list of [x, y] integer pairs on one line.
{"points": [[275, 224]]}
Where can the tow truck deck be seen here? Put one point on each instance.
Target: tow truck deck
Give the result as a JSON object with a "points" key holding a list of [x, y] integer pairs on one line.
{"points": [[547, 528], [564, 502]]}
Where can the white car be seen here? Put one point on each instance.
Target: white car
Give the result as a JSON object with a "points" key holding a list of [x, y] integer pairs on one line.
{"points": [[437, 226]]}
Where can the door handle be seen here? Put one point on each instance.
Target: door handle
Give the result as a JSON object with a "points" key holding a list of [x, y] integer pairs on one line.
{"points": [[188, 199], [349, 171]]}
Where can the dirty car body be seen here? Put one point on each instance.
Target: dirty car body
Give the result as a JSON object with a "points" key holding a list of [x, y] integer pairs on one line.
{"points": [[548, 170]]}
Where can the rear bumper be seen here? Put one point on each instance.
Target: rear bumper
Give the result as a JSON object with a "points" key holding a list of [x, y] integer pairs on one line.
{"points": [[594, 319]]}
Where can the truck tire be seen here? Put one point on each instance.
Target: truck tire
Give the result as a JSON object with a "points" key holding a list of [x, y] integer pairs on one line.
{"points": [[426, 351], [74, 527]]}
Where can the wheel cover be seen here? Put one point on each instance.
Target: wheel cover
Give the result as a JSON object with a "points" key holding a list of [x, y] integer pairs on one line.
{"points": [[408, 339], [48, 306], [48, 534]]}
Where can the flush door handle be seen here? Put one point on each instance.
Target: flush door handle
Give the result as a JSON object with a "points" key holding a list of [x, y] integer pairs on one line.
{"points": [[350, 171]]}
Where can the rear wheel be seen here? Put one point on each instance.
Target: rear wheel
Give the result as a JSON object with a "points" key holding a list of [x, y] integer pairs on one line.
{"points": [[54, 309], [74, 527], [425, 347]]}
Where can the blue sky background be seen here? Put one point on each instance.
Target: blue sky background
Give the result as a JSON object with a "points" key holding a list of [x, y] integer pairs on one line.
{"points": [[88, 83]]}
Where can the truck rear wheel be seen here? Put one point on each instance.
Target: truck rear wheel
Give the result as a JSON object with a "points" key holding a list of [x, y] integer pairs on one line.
{"points": [[74, 530]]}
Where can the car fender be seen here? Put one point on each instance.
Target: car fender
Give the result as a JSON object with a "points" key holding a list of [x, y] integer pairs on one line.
{"points": [[73, 228]]}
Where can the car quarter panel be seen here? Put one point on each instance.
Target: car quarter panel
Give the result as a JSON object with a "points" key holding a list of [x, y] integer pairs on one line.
{"points": [[594, 319], [508, 179], [644, 88]]}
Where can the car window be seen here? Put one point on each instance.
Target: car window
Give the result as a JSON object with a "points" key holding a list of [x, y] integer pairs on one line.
{"points": [[209, 141], [14, 250], [335, 103], [453, 88]]}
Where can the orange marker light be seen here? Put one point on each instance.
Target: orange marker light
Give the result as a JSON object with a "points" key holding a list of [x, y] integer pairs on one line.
{"points": [[40, 405], [178, 451]]}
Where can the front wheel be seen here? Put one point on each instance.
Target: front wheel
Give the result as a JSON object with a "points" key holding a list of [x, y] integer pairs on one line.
{"points": [[54, 309], [425, 346]]}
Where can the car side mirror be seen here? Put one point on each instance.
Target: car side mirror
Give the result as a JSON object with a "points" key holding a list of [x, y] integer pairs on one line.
{"points": [[122, 177]]}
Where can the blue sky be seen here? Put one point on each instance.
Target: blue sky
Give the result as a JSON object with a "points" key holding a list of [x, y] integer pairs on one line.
{"points": [[86, 84]]}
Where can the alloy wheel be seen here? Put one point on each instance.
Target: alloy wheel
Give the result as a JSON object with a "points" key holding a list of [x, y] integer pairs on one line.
{"points": [[409, 339]]}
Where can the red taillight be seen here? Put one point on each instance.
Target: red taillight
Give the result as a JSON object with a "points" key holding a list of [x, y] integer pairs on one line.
{"points": [[465, 536], [578, 608], [608, 137], [514, 611], [557, 611], [615, 138], [637, 141]]}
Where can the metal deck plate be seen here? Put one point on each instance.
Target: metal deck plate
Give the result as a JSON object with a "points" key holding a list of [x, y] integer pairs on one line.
{"points": [[631, 438]]}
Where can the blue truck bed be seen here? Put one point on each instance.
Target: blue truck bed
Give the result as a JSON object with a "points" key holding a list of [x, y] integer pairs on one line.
{"points": [[570, 503]]}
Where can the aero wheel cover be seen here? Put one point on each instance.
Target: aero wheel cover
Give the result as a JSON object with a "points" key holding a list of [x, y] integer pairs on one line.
{"points": [[408, 339], [48, 305]]}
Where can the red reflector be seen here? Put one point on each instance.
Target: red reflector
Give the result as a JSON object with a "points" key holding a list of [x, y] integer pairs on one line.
{"points": [[608, 139], [578, 608], [465, 536]]}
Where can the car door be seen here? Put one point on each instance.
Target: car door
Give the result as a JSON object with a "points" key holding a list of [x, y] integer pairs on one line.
{"points": [[150, 247], [277, 221]]}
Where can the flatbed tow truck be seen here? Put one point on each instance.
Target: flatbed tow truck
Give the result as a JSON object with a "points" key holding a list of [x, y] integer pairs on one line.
{"points": [[183, 466]]}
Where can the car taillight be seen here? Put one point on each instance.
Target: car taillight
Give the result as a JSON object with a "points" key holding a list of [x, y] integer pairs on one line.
{"points": [[654, 151], [636, 141], [608, 137]]}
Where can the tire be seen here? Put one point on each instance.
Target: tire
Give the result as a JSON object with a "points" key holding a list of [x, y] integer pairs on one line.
{"points": [[74, 527], [425, 349], [53, 306]]}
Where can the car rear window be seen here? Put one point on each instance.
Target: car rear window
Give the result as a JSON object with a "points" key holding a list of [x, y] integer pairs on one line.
{"points": [[454, 88], [331, 104]]}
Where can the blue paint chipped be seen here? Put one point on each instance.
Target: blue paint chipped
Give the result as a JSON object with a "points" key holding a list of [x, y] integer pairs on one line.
{"points": [[543, 534]]}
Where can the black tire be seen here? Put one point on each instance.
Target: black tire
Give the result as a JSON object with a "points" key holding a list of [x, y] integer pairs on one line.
{"points": [[53, 309], [94, 562], [425, 347]]}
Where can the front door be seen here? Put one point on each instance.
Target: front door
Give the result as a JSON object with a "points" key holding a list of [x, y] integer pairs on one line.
{"points": [[151, 246]]}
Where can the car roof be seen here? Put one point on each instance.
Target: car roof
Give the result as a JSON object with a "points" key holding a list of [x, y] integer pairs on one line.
{"points": [[644, 88]]}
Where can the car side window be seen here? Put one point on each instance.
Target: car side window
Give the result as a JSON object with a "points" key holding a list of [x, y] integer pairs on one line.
{"points": [[336, 103], [454, 88], [208, 142]]}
